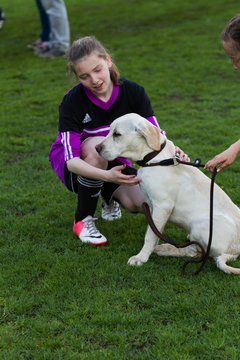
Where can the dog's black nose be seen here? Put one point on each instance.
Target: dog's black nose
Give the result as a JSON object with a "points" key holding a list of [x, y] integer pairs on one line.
{"points": [[98, 148]]}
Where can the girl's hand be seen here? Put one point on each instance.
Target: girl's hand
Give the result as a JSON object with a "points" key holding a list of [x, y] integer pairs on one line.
{"points": [[181, 154], [116, 176]]}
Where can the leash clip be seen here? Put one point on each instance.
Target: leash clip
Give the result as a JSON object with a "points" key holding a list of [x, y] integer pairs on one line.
{"points": [[197, 162]]}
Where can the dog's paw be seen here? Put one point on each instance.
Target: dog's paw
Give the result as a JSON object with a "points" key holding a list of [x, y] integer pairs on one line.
{"points": [[135, 261]]}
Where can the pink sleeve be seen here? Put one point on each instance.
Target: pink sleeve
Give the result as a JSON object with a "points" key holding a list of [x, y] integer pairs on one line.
{"points": [[153, 120], [72, 144]]}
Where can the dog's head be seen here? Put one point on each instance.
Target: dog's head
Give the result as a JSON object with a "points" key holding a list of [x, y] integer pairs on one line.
{"points": [[130, 136]]}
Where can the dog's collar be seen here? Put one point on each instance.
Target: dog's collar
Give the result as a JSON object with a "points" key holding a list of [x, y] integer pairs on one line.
{"points": [[172, 161], [151, 155]]}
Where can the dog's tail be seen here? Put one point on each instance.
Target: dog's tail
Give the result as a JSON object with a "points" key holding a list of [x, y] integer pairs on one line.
{"points": [[221, 264]]}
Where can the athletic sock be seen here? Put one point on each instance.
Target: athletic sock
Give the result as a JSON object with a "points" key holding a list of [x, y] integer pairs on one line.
{"points": [[88, 194]]}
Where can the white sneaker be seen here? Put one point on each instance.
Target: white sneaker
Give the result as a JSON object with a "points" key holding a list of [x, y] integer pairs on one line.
{"points": [[87, 232], [112, 211]]}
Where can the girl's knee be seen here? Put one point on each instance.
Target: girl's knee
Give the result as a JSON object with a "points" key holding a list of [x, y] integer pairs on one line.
{"points": [[95, 160], [130, 204], [90, 155]]}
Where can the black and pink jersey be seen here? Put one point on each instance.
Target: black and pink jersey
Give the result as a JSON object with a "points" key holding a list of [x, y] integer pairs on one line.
{"points": [[83, 115]]}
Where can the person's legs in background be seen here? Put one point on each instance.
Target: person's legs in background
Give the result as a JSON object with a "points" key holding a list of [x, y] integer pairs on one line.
{"points": [[44, 35], [45, 23], [60, 32]]}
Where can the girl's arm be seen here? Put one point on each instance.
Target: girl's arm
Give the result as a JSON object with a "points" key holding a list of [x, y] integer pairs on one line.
{"points": [[115, 175]]}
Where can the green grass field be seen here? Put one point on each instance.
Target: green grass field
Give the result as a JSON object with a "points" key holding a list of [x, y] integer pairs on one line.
{"points": [[60, 299]]}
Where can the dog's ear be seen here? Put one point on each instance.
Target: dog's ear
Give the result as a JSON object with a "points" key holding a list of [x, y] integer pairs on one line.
{"points": [[151, 134]]}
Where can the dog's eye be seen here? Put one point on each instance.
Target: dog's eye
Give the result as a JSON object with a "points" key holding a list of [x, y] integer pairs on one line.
{"points": [[116, 134]]}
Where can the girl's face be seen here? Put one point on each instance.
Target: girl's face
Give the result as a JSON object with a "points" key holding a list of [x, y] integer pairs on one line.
{"points": [[233, 52], [93, 72]]}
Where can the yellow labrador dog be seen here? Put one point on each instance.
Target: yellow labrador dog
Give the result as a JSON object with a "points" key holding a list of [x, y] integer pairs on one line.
{"points": [[179, 194]]}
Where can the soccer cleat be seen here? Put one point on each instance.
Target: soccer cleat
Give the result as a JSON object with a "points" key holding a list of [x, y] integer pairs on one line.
{"points": [[112, 211], [87, 232]]}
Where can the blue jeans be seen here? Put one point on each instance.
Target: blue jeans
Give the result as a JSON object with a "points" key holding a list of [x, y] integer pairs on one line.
{"points": [[58, 17], [45, 23]]}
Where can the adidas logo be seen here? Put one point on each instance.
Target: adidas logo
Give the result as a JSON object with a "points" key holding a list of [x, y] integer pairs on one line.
{"points": [[87, 119]]}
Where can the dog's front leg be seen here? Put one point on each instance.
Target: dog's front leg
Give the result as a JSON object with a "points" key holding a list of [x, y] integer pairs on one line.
{"points": [[150, 242], [160, 218]]}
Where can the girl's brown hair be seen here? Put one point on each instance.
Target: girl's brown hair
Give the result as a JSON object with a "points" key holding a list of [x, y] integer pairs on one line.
{"points": [[84, 47], [232, 31]]}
